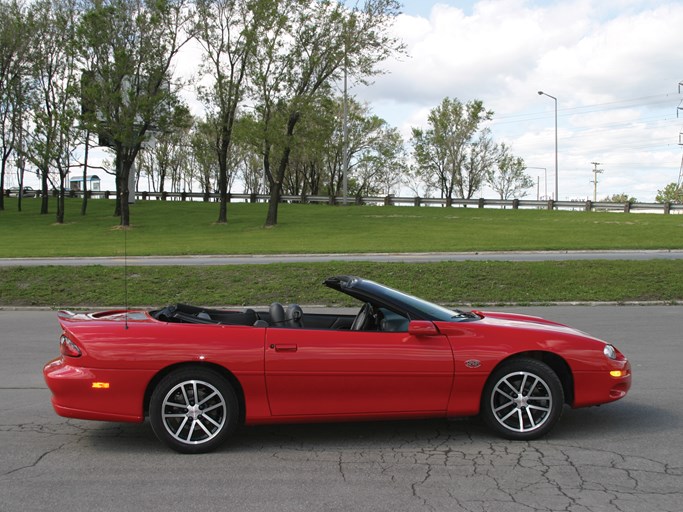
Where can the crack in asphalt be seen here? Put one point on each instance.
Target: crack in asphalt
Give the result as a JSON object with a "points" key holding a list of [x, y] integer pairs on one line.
{"points": [[15, 388], [435, 468], [36, 462], [76, 432], [537, 476]]}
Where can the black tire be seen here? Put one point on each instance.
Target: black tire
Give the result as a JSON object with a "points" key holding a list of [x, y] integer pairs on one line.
{"points": [[188, 424], [523, 399]]}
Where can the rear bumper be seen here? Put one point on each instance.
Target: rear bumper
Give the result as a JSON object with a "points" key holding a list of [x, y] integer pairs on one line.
{"points": [[95, 393]]}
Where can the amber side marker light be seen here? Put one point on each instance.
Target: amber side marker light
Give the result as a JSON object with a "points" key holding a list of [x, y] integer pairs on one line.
{"points": [[617, 373], [100, 385]]}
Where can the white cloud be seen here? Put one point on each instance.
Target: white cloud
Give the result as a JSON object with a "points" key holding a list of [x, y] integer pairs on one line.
{"points": [[613, 65]]}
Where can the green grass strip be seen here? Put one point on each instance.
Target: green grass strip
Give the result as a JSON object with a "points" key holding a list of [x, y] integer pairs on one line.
{"points": [[181, 228], [447, 283]]}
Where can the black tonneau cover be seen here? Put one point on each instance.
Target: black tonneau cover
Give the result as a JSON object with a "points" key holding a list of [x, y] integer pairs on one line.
{"points": [[185, 313]]}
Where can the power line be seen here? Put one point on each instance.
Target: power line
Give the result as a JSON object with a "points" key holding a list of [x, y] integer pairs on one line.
{"points": [[596, 107]]}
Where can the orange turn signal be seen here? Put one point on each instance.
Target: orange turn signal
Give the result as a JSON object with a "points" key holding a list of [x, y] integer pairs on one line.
{"points": [[617, 373], [100, 385]]}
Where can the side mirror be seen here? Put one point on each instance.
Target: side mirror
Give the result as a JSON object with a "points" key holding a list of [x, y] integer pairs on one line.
{"points": [[422, 328]]}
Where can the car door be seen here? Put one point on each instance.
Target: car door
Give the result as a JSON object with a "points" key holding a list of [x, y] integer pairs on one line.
{"points": [[328, 372]]}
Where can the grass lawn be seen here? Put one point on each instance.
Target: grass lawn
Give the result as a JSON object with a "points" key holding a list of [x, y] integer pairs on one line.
{"points": [[453, 283], [177, 228]]}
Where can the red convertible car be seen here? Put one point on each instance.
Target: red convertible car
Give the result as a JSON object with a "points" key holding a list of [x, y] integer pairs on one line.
{"points": [[198, 373]]}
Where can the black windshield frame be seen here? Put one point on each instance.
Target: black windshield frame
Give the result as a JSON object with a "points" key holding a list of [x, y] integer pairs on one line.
{"points": [[413, 307]]}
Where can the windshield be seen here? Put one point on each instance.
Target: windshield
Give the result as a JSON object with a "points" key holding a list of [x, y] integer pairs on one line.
{"points": [[424, 307]]}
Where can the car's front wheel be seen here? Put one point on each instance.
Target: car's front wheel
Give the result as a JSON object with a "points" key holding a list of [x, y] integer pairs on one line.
{"points": [[193, 410], [523, 399]]}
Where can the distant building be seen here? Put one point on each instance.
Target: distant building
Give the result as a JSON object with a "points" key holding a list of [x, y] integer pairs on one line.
{"points": [[93, 183]]}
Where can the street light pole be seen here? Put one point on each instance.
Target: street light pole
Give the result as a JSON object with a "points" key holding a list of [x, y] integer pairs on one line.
{"points": [[541, 93], [545, 179], [345, 131], [345, 146]]}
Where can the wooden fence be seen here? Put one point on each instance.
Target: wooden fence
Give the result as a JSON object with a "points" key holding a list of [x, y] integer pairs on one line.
{"points": [[391, 200]]}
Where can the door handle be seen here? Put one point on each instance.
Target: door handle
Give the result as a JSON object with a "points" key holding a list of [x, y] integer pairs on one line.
{"points": [[284, 348]]}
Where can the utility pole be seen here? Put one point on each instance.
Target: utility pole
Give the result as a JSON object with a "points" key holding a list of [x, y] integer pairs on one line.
{"points": [[680, 140], [680, 171], [679, 183], [596, 171]]}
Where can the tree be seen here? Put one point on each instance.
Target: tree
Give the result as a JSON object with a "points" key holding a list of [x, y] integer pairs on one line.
{"points": [[620, 198], [167, 157], [672, 193], [252, 174], [379, 163], [300, 59], [313, 145], [508, 178], [374, 150], [13, 70], [480, 157], [129, 46], [448, 155], [204, 156], [412, 178], [228, 31], [54, 97]]}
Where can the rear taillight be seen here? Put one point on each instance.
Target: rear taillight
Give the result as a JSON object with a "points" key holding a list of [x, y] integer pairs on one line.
{"points": [[68, 347]]}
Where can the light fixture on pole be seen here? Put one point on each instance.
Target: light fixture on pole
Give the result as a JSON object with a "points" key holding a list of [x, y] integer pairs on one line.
{"points": [[541, 93]]}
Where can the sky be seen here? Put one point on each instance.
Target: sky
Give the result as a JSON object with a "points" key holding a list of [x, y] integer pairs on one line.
{"points": [[613, 65]]}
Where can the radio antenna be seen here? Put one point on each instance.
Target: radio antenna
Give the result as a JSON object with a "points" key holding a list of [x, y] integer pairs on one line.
{"points": [[125, 275]]}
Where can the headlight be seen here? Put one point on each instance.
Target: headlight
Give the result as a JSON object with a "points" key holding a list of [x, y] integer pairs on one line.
{"points": [[610, 352]]}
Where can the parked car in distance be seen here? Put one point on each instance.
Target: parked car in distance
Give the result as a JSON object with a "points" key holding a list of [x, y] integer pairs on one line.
{"points": [[198, 373], [27, 192]]}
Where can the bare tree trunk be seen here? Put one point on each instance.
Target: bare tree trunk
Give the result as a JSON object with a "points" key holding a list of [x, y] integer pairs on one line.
{"points": [[45, 194], [60, 203], [223, 144], [5, 156], [276, 183], [84, 203], [223, 197], [119, 187], [123, 198]]}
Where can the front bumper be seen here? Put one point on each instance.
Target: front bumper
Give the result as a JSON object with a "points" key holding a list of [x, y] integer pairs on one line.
{"points": [[603, 386]]}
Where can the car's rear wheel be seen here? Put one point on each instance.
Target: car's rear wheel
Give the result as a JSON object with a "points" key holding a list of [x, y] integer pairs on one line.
{"points": [[193, 410], [523, 399]]}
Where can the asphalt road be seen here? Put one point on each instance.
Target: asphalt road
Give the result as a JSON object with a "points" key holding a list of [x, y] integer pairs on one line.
{"points": [[377, 257], [625, 456]]}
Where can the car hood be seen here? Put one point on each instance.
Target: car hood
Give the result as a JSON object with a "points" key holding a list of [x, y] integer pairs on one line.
{"points": [[529, 322]]}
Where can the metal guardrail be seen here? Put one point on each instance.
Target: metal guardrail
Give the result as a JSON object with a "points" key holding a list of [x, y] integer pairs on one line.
{"points": [[391, 200]]}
